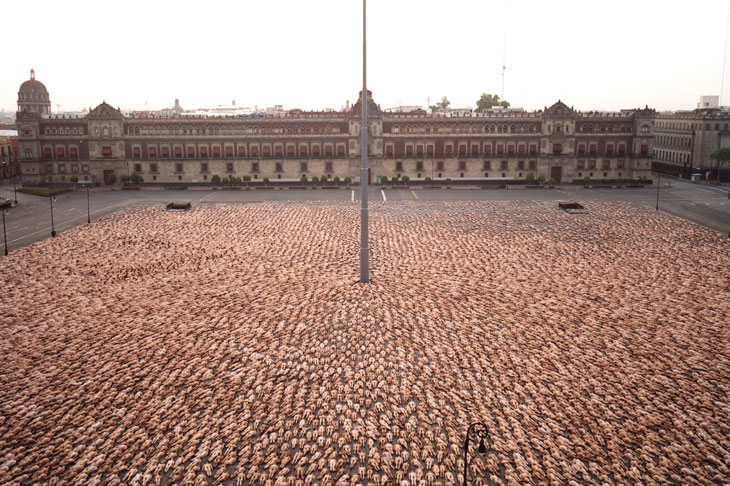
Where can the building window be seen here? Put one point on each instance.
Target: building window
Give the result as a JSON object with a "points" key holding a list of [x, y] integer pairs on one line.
{"points": [[136, 152], [229, 166], [106, 151], [533, 164], [191, 152], [328, 166], [229, 151], [28, 154], [303, 166], [581, 164], [593, 148], [62, 168], [152, 152], [505, 165], [74, 168], [462, 165], [487, 165], [621, 149], [204, 167], [557, 149], [581, 148], [389, 150], [153, 167], [279, 167], [178, 152], [138, 167], [440, 165], [620, 163], [592, 164], [178, 167], [399, 166], [521, 165], [419, 165], [606, 164]]}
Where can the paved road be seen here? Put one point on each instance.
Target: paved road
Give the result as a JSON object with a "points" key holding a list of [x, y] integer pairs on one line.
{"points": [[30, 221]]}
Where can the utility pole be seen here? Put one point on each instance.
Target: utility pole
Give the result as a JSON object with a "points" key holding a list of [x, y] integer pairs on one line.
{"points": [[364, 260]]}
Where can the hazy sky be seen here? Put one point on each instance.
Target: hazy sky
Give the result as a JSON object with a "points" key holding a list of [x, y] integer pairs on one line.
{"points": [[308, 53]]}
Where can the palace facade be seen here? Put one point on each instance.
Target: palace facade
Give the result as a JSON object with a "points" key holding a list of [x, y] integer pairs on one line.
{"points": [[557, 142]]}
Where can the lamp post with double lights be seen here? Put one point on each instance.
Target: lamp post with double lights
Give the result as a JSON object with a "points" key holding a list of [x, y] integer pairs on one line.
{"points": [[4, 209], [53, 229], [481, 431], [15, 190]]}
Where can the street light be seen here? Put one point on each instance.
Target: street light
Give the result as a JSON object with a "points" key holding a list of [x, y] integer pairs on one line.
{"points": [[658, 183], [15, 191], [53, 229], [88, 204], [4, 209], [482, 432]]}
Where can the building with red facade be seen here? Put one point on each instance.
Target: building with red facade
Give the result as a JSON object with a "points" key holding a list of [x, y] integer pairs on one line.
{"points": [[557, 142]]}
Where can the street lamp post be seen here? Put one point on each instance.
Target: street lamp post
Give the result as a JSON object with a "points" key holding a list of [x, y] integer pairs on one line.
{"points": [[15, 190], [4, 209], [53, 229], [658, 183], [482, 433], [88, 205]]}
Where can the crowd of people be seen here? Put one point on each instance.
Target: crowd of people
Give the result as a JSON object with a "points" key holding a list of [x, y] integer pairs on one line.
{"points": [[234, 345]]}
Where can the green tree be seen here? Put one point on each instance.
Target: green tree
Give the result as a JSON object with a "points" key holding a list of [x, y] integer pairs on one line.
{"points": [[216, 179], [266, 181], [720, 156], [441, 105], [383, 179], [348, 180], [336, 179], [405, 179], [111, 179], [315, 180], [530, 177], [487, 101], [74, 179], [136, 178]]}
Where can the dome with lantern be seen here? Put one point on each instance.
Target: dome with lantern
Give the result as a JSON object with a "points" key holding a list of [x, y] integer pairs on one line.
{"points": [[33, 96]]}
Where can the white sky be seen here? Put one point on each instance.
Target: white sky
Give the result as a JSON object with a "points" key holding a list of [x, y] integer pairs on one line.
{"points": [[307, 53]]}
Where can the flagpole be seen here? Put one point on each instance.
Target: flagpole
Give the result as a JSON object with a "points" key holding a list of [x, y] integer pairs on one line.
{"points": [[364, 265]]}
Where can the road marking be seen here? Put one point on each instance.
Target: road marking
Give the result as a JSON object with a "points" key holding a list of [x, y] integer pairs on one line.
{"points": [[414, 194], [383, 193], [352, 198], [56, 225]]}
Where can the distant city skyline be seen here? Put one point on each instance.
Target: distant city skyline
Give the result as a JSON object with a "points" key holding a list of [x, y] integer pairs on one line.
{"points": [[592, 56]]}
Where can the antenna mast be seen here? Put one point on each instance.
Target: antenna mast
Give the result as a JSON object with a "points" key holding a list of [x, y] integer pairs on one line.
{"points": [[724, 56], [504, 62]]}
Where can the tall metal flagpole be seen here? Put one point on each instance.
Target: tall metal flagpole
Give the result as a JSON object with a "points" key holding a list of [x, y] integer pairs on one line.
{"points": [[364, 265]]}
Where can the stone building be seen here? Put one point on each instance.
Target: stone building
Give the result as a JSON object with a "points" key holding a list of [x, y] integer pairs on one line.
{"points": [[685, 139], [557, 142], [9, 165]]}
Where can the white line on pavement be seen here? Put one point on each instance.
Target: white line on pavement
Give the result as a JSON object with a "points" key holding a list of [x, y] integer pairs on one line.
{"points": [[383, 193], [57, 225], [352, 198]]}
